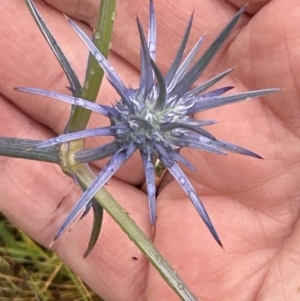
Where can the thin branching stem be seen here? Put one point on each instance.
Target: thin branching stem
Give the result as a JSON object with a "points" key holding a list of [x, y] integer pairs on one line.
{"points": [[94, 73]]}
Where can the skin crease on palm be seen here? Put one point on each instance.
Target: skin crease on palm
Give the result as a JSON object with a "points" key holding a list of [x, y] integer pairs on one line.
{"points": [[254, 204]]}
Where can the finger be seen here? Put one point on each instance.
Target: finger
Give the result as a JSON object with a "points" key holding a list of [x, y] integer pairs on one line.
{"points": [[46, 73], [37, 197], [252, 238], [267, 54], [271, 59], [252, 7], [39, 59], [172, 18], [83, 10]]}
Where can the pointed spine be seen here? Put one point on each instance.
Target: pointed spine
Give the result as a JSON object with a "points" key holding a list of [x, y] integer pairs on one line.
{"points": [[205, 59]]}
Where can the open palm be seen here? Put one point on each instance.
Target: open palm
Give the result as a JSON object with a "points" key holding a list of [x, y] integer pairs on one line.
{"points": [[254, 204]]}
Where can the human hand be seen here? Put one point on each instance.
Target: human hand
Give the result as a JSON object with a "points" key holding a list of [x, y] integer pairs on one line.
{"points": [[253, 203]]}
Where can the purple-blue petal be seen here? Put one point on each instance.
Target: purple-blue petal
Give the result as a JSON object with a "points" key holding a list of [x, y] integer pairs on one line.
{"points": [[152, 32], [67, 98], [105, 174], [192, 75], [214, 102], [150, 183], [180, 72], [110, 73], [207, 84], [98, 153], [104, 131], [217, 92], [184, 182], [146, 81], [170, 75], [179, 158]]}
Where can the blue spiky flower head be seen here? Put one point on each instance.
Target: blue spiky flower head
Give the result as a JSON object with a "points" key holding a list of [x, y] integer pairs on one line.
{"points": [[155, 119]]}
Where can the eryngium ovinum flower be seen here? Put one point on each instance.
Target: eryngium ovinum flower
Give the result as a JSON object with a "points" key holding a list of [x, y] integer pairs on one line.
{"points": [[155, 119]]}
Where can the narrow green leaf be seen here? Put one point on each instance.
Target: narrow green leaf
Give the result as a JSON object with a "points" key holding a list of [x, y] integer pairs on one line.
{"points": [[97, 223]]}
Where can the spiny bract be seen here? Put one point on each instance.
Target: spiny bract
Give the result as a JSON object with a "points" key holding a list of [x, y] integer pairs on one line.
{"points": [[156, 118]]}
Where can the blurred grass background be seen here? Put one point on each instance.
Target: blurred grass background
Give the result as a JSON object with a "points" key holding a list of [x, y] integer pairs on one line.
{"points": [[30, 272]]}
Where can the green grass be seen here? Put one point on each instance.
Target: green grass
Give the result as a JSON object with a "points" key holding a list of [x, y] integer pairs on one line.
{"points": [[29, 272]]}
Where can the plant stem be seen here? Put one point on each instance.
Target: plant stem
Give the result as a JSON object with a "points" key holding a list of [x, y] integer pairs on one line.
{"points": [[23, 148], [94, 73]]}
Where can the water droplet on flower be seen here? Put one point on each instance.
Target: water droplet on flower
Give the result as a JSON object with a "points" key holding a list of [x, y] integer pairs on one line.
{"points": [[203, 139], [151, 189], [152, 47], [98, 56], [114, 160], [79, 102], [193, 195], [182, 180]]}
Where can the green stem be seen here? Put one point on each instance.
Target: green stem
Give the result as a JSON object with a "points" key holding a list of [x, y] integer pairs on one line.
{"points": [[94, 73], [85, 177], [23, 148]]}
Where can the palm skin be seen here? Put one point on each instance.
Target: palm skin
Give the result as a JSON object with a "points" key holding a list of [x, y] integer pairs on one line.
{"points": [[254, 204]]}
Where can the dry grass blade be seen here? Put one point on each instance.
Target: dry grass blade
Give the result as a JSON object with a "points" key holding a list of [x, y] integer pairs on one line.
{"points": [[29, 272]]}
